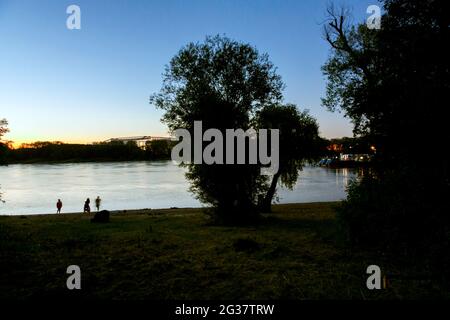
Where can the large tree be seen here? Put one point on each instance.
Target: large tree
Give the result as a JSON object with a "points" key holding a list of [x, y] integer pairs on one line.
{"points": [[222, 83], [393, 83]]}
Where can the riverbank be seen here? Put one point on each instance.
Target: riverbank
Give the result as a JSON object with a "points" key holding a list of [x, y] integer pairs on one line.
{"points": [[295, 253]]}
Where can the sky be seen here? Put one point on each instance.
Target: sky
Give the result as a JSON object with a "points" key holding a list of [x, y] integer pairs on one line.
{"points": [[94, 83]]}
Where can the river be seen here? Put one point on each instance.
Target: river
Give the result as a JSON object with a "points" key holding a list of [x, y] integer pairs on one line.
{"points": [[35, 188]]}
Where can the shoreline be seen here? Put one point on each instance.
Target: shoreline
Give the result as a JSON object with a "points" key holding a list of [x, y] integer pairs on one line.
{"points": [[158, 211]]}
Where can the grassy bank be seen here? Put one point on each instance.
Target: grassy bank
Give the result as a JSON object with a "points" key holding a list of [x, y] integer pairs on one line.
{"points": [[296, 253]]}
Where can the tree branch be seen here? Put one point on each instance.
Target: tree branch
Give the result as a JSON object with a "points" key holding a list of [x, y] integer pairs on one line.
{"points": [[337, 36]]}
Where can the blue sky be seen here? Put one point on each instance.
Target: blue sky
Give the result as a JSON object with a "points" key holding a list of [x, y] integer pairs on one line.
{"points": [[94, 83]]}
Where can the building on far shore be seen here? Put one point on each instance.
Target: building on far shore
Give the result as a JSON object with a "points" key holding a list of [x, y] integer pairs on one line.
{"points": [[141, 141]]}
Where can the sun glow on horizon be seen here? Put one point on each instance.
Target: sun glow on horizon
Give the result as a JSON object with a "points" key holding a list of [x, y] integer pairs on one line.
{"points": [[19, 143]]}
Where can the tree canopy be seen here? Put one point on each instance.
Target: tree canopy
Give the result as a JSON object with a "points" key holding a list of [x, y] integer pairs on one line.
{"points": [[392, 82], [232, 76]]}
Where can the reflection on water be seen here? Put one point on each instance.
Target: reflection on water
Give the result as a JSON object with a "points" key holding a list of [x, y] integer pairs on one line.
{"points": [[342, 174], [35, 188], [317, 184]]}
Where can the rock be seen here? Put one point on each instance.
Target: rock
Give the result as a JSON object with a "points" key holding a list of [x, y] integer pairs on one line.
{"points": [[246, 245], [101, 217]]}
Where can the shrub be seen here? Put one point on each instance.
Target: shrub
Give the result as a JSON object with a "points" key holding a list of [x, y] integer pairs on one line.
{"points": [[400, 214]]}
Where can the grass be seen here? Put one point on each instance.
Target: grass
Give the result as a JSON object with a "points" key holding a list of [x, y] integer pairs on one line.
{"points": [[296, 253]]}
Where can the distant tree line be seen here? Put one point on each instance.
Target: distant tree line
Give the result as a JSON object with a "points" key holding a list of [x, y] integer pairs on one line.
{"points": [[64, 152]]}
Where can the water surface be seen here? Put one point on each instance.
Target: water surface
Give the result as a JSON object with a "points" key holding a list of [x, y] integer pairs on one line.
{"points": [[35, 188]]}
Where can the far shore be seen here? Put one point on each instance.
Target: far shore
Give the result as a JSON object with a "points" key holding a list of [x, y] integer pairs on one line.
{"points": [[76, 161]]}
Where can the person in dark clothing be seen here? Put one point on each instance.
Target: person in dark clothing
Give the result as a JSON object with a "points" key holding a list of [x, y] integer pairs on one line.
{"points": [[98, 203], [59, 205], [87, 206]]}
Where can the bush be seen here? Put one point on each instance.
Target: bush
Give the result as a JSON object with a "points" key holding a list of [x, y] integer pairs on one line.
{"points": [[402, 214]]}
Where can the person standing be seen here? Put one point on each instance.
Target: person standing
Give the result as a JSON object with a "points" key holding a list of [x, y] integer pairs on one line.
{"points": [[59, 205], [87, 206], [98, 202]]}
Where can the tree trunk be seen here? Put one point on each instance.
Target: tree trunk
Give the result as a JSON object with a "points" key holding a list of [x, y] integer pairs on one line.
{"points": [[266, 205]]}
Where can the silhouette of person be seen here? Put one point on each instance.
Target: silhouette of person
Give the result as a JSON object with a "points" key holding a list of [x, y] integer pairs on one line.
{"points": [[98, 202], [87, 206], [59, 205]]}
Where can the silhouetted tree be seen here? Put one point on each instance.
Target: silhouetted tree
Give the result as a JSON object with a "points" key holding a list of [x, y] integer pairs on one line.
{"points": [[3, 146], [299, 143], [222, 83], [392, 83], [3, 127]]}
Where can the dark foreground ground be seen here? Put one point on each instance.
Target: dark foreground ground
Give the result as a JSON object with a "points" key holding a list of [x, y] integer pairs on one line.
{"points": [[296, 253]]}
